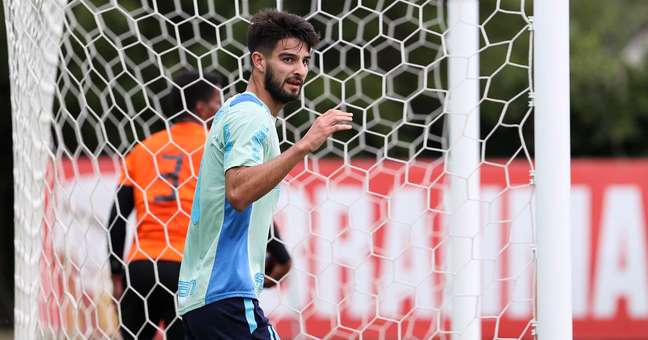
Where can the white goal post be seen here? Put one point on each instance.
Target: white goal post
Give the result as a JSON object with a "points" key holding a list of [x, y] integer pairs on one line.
{"points": [[553, 169], [444, 214]]}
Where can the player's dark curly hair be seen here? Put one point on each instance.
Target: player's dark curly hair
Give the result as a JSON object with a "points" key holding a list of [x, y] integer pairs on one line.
{"points": [[269, 26], [194, 88]]}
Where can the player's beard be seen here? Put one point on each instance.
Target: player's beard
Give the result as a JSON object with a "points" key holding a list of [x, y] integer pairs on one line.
{"points": [[275, 88]]}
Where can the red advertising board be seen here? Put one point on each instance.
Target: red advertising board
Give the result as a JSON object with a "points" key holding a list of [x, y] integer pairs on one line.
{"points": [[370, 241]]}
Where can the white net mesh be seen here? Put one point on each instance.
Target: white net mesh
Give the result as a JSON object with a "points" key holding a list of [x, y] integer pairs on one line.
{"points": [[374, 221]]}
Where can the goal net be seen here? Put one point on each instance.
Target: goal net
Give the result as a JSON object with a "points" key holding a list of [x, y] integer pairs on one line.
{"points": [[415, 224]]}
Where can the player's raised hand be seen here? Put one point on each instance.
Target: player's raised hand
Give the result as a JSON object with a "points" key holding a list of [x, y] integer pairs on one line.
{"points": [[324, 126]]}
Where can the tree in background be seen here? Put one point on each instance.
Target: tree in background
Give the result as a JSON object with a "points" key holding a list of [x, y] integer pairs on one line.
{"points": [[609, 97]]}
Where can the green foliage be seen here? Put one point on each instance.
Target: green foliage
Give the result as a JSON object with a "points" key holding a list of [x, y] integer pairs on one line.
{"points": [[132, 48], [609, 99]]}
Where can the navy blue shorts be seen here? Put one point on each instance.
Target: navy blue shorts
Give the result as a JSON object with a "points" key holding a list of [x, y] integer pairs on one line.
{"points": [[233, 318]]}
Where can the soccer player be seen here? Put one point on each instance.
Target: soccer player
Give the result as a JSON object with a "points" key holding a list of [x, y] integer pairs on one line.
{"points": [[158, 181], [222, 270]]}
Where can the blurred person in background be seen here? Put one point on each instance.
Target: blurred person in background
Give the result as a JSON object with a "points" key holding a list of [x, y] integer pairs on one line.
{"points": [[158, 182]]}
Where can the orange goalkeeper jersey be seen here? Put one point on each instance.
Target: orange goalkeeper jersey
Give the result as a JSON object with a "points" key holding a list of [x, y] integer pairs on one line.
{"points": [[163, 170]]}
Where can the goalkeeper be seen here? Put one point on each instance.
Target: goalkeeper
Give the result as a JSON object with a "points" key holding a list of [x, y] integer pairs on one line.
{"points": [[222, 270], [158, 181]]}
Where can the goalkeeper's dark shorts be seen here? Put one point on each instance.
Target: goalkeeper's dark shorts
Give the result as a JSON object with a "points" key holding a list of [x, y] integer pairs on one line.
{"points": [[148, 304], [233, 318]]}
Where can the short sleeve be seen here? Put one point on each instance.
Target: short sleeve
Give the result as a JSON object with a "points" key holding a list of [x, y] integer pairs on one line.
{"points": [[245, 138]]}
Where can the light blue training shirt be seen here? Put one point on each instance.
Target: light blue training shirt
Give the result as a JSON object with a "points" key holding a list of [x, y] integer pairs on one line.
{"points": [[224, 254]]}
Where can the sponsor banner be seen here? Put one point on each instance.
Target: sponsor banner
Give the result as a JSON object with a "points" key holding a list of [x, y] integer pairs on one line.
{"points": [[370, 244]]}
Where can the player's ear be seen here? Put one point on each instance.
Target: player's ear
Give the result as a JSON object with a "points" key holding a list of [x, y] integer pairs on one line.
{"points": [[204, 111], [200, 109], [258, 61]]}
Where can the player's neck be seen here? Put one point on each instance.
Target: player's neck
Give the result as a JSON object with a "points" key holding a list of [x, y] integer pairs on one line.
{"points": [[255, 85]]}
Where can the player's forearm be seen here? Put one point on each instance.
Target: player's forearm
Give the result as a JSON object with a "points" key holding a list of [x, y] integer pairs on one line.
{"points": [[247, 184], [120, 210], [278, 272]]}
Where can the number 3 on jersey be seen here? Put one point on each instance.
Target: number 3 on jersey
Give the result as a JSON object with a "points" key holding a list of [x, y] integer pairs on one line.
{"points": [[171, 176]]}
